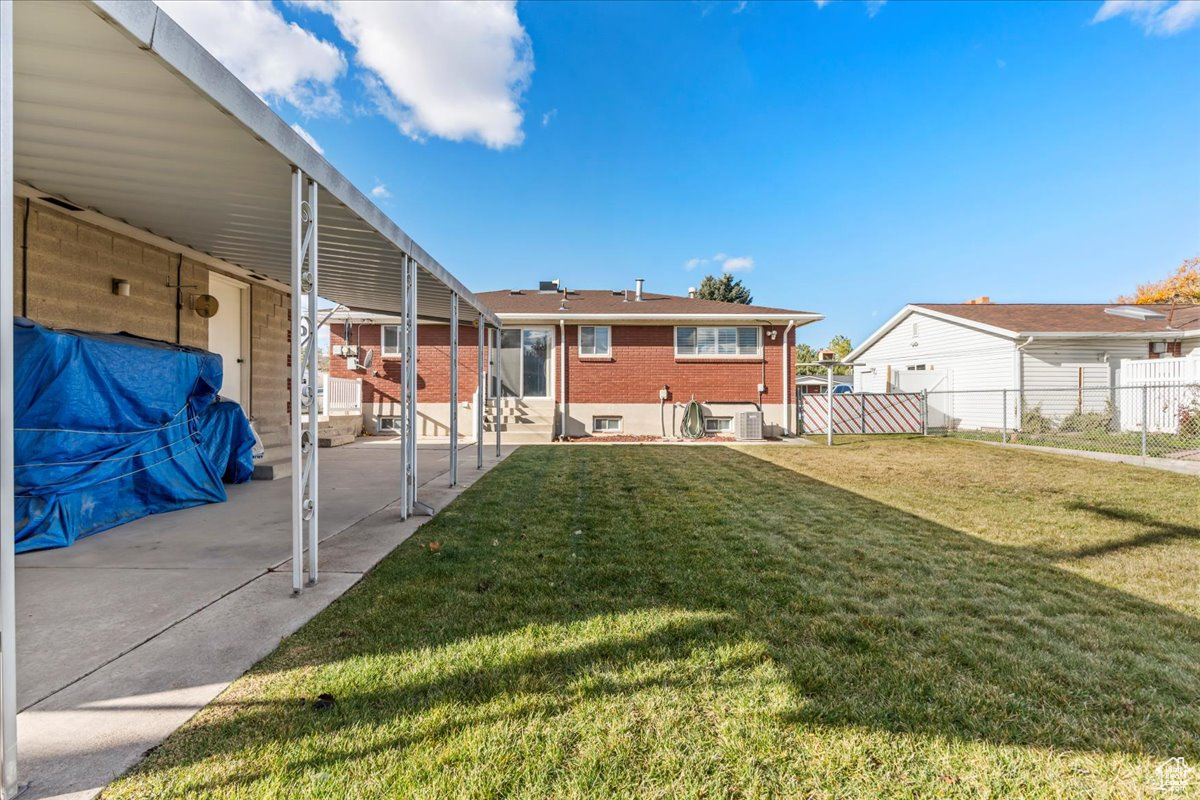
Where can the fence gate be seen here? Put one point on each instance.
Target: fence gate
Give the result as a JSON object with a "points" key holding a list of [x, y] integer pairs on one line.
{"points": [[861, 413]]}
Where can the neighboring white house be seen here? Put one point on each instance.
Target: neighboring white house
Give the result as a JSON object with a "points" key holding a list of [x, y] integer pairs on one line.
{"points": [[976, 349]]}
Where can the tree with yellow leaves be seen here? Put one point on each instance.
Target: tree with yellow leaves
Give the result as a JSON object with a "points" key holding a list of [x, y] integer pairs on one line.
{"points": [[1182, 287]]}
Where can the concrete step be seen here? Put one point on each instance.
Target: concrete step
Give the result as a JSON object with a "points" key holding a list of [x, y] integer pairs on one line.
{"points": [[517, 419], [275, 464], [335, 439], [521, 437]]}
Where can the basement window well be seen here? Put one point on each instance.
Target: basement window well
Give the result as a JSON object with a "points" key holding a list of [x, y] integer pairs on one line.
{"points": [[718, 424]]}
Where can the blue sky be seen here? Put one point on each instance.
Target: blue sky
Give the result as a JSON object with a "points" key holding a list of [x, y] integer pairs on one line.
{"points": [[846, 157]]}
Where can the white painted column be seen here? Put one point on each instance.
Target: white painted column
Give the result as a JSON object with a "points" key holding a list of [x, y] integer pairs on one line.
{"points": [[497, 416], [453, 389], [296, 375], [412, 385], [480, 394], [8, 596], [304, 420], [405, 356], [309, 448]]}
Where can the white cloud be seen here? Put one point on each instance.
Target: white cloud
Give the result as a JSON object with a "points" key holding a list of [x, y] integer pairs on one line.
{"points": [[1155, 17], [275, 58], [740, 6], [308, 137], [738, 264], [456, 70], [380, 191], [821, 3], [549, 115], [725, 262], [873, 7]]}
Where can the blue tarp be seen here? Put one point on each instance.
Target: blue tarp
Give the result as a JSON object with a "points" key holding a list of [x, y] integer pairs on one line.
{"points": [[113, 427]]}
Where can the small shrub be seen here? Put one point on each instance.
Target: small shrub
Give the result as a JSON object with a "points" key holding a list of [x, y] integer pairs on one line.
{"points": [[1189, 419], [1086, 422], [1034, 421]]}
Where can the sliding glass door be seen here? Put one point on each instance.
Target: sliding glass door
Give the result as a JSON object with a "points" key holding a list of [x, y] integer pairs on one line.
{"points": [[525, 359]]}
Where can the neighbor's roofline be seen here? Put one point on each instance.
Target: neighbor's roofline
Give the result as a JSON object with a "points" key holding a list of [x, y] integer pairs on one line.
{"points": [[154, 31], [912, 308]]}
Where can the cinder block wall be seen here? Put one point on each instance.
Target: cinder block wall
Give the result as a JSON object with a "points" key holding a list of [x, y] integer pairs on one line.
{"points": [[64, 280], [68, 272], [270, 362]]}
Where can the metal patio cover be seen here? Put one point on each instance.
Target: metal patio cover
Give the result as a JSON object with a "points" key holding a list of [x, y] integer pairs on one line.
{"points": [[119, 111]]}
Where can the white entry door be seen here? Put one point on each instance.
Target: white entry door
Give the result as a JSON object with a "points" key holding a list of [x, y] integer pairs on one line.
{"points": [[227, 337]]}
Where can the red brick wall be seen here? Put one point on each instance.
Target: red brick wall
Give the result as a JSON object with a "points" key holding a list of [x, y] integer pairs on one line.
{"points": [[643, 359], [382, 381]]}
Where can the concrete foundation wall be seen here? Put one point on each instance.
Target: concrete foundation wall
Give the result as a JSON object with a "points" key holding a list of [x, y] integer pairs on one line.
{"points": [[645, 419], [433, 419], [63, 274], [341, 425]]}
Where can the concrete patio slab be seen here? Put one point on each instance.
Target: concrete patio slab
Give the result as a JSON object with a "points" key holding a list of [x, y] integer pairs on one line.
{"points": [[126, 635]]}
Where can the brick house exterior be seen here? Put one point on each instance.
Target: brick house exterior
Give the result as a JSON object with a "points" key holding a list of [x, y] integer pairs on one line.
{"points": [[620, 383]]}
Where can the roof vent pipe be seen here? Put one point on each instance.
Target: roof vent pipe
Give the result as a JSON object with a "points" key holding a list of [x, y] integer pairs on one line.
{"points": [[639, 283], [692, 292]]}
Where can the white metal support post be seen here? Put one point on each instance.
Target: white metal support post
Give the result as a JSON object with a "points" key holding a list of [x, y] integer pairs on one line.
{"points": [[8, 596], [405, 357], [480, 395], [453, 389], [415, 506], [829, 407], [497, 419], [304, 377], [411, 383]]}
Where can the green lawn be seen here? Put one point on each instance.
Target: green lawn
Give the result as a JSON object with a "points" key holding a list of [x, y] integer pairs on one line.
{"points": [[888, 618]]}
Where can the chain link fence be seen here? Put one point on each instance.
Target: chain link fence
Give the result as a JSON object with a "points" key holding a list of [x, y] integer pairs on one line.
{"points": [[1158, 420]]}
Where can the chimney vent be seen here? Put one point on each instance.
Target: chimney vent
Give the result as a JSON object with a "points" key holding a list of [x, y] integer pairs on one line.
{"points": [[639, 283], [692, 292]]}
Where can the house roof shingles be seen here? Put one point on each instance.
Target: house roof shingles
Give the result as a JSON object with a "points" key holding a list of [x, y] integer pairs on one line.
{"points": [[604, 301], [1069, 317]]}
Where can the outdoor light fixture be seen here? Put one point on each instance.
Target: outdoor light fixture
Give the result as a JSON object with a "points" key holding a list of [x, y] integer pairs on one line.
{"points": [[120, 287]]}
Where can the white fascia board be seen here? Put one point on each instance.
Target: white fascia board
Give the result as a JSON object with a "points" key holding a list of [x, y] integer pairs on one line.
{"points": [[153, 30], [902, 314]]}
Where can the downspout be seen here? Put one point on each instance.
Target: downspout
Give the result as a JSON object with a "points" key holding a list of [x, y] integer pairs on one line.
{"points": [[562, 379], [787, 385], [1020, 382]]}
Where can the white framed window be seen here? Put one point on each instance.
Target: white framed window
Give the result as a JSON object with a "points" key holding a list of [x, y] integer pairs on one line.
{"points": [[718, 424], [606, 424], [389, 423], [732, 341], [390, 339], [595, 340]]}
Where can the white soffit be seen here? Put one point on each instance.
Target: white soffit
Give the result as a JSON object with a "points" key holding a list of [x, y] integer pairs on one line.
{"points": [[119, 111]]}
